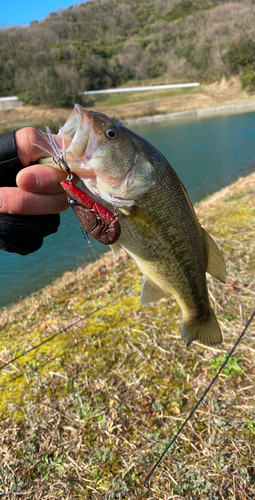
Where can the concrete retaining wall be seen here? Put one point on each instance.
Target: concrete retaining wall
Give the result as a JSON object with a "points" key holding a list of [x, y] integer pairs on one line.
{"points": [[228, 109], [10, 102]]}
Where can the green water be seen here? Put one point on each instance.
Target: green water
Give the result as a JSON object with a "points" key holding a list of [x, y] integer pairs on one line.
{"points": [[207, 155]]}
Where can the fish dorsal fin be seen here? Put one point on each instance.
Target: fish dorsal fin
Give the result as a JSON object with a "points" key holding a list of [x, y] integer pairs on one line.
{"points": [[150, 293], [116, 250], [215, 262]]}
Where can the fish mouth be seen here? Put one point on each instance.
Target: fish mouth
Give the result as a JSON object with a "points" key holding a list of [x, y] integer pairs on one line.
{"points": [[77, 141], [79, 145], [82, 144]]}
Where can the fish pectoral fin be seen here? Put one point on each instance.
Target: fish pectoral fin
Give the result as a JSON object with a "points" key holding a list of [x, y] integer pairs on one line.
{"points": [[215, 262], [116, 250], [206, 332], [150, 293]]}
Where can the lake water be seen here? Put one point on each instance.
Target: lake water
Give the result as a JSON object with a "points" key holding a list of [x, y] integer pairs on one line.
{"points": [[207, 154]]}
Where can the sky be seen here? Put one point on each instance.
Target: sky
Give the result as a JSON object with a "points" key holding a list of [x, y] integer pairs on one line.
{"points": [[23, 12]]}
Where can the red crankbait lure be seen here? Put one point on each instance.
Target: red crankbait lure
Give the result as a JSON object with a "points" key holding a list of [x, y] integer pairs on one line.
{"points": [[95, 219]]}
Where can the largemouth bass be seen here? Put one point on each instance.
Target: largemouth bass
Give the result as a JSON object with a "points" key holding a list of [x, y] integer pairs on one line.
{"points": [[159, 227]]}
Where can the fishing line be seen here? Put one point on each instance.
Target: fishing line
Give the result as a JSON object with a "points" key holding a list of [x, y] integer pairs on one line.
{"points": [[147, 479], [86, 238], [63, 330]]}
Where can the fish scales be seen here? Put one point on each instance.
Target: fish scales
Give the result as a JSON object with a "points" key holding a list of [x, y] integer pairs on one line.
{"points": [[159, 227]]}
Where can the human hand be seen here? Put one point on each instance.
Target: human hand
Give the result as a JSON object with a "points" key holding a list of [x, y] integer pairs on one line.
{"points": [[38, 190], [29, 203]]}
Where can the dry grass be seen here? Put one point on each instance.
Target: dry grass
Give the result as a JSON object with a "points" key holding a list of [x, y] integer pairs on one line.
{"points": [[87, 414]]}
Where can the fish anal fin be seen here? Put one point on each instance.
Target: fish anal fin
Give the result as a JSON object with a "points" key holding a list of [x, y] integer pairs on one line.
{"points": [[206, 332], [215, 262], [150, 293], [116, 250]]}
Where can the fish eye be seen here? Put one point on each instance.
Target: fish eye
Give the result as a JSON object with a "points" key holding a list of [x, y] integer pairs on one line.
{"points": [[111, 133]]}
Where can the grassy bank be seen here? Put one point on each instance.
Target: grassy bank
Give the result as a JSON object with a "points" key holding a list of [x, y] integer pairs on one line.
{"points": [[86, 414]]}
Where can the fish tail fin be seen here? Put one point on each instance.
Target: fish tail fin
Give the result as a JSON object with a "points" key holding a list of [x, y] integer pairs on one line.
{"points": [[206, 332]]}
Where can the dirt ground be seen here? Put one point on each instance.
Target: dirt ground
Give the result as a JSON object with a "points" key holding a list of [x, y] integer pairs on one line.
{"points": [[139, 104]]}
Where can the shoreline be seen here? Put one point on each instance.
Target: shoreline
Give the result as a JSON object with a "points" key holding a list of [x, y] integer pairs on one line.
{"points": [[197, 113], [228, 109], [215, 99]]}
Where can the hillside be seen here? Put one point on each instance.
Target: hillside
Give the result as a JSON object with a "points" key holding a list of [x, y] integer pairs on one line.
{"points": [[108, 43], [86, 413]]}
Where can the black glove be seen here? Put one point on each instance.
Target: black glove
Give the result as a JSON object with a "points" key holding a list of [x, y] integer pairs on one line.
{"points": [[21, 234]]}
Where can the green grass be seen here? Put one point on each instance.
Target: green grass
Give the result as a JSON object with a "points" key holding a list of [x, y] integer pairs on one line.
{"points": [[131, 97]]}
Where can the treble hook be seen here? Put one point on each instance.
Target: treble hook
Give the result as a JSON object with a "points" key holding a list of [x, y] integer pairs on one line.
{"points": [[60, 161]]}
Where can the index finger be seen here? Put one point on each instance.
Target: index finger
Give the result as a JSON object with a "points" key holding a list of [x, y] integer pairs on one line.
{"points": [[31, 145]]}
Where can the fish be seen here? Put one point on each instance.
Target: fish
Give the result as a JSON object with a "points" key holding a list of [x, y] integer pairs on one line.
{"points": [[159, 228]]}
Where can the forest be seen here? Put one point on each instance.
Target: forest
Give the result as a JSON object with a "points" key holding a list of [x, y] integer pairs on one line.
{"points": [[107, 43]]}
